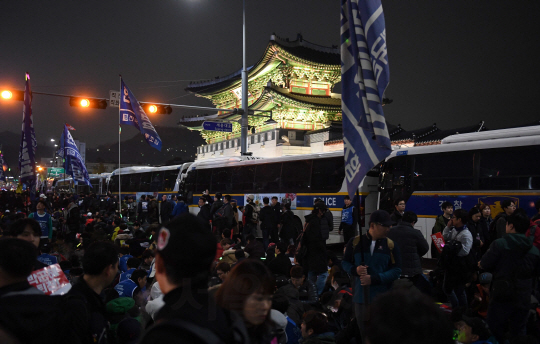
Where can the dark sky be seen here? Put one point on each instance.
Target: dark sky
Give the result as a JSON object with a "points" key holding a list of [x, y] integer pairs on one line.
{"points": [[453, 62]]}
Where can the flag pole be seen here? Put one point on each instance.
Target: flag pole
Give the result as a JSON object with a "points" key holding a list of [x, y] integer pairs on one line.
{"points": [[119, 150]]}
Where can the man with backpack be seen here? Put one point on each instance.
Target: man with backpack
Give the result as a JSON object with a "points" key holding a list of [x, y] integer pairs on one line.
{"points": [[374, 261], [515, 263], [252, 212], [184, 256], [497, 229]]}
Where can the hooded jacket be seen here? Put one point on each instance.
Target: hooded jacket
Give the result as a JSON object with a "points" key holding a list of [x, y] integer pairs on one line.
{"points": [[315, 260], [513, 257]]}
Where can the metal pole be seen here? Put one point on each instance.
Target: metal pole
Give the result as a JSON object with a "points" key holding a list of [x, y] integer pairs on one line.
{"points": [[119, 146], [244, 130]]}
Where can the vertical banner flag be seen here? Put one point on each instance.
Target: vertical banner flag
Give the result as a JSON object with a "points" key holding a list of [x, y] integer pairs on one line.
{"points": [[364, 77], [132, 113], [74, 165], [27, 152], [2, 173]]}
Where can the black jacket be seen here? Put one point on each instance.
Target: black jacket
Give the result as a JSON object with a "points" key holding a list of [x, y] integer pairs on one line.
{"points": [[327, 224], [315, 259], [33, 317], [268, 218], [95, 310], [287, 226], [166, 209], [204, 213], [281, 265], [412, 246], [215, 206], [196, 308], [396, 217], [513, 257]]}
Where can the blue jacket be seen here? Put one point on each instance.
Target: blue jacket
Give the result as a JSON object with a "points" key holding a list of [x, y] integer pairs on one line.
{"points": [[179, 209], [122, 262], [47, 259], [384, 265], [126, 275], [126, 288]]}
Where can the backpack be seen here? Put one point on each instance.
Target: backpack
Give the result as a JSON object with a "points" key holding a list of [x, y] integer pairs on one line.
{"points": [[534, 233], [493, 226], [256, 212]]}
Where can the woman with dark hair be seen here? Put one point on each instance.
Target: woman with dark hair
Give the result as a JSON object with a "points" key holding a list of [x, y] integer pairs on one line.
{"points": [[483, 225], [248, 290]]}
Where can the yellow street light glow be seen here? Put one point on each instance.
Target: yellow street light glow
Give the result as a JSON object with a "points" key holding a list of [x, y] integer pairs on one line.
{"points": [[7, 94], [152, 108], [85, 103], [40, 168]]}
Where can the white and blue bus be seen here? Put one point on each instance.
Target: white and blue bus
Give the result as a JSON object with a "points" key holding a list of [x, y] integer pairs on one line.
{"points": [[98, 182], [465, 170], [298, 180]]}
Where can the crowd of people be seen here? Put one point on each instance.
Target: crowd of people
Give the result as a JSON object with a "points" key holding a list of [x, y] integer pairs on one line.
{"points": [[148, 271]]}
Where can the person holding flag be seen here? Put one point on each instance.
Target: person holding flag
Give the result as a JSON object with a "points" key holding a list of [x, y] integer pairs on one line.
{"points": [[74, 165], [364, 77]]}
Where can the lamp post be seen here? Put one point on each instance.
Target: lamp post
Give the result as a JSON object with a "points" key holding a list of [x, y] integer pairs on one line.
{"points": [[244, 121]]}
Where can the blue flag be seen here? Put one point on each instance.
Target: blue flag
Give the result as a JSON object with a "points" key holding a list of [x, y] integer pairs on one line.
{"points": [[74, 165], [364, 77], [2, 173], [27, 151], [132, 113]]}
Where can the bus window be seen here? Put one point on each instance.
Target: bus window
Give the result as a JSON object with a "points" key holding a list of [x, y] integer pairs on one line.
{"points": [[327, 174], [295, 176], [188, 187], [267, 177], [509, 169], [169, 179], [243, 178], [113, 184], [204, 179], [221, 180], [443, 171], [157, 181], [125, 181], [146, 180]]}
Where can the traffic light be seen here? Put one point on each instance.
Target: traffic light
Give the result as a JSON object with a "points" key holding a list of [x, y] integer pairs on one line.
{"points": [[156, 109], [88, 102], [12, 95]]}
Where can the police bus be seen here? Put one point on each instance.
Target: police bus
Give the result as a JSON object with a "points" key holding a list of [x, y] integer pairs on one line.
{"points": [[145, 180], [298, 180], [98, 182], [465, 170]]}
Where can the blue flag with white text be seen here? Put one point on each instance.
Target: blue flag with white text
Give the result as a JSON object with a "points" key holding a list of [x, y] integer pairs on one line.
{"points": [[74, 165], [132, 113], [27, 151], [364, 77]]}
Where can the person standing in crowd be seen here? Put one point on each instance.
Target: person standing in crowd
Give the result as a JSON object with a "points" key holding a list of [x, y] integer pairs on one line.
{"points": [[399, 205], [314, 261], [180, 207], [374, 261], [281, 265], [498, 227], [218, 203], [484, 224], [45, 221], [204, 211], [224, 215], [327, 222], [458, 243], [153, 211], [73, 218], [132, 211], [100, 264], [234, 206], [165, 209], [515, 264], [287, 232], [142, 209], [474, 227], [184, 256], [248, 290], [349, 220], [440, 224], [252, 216], [268, 222], [276, 207], [413, 246]]}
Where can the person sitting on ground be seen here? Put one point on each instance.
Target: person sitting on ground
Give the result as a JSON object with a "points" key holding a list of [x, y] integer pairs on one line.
{"points": [[254, 248], [281, 264], [315, 328], [45, 257], [228, 253], [133, 286], [132, 265], [307, 291]]}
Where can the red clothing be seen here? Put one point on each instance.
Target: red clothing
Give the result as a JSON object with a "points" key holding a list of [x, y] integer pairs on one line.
{"points": [[219, 251], [90, 220]]}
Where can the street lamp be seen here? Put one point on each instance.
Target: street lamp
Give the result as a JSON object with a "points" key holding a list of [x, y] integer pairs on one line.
{"points": [[52, 140], [244, 122]]}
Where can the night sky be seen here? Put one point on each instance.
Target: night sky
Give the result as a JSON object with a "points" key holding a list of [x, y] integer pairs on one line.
{"points": [[451, 62]]}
